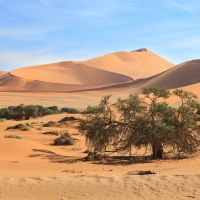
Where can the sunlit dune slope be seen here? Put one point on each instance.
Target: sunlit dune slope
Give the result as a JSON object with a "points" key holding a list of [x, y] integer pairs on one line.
{"points": [[69, 73], [182, 75], [137, 64]]}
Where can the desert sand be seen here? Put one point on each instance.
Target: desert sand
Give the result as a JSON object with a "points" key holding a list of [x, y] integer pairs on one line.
{"points": [[33, 168]]}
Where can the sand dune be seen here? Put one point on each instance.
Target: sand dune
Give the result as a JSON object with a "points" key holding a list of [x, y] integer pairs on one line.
{"points": [[182, 75], [101, 72], [136, 64], [66, 76], [33, 168], [69, 73], [2, 73]]}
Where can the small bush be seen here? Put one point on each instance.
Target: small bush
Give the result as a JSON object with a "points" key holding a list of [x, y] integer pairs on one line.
{"points": [[49, 124], [26, 127], [51, 133], [70, 110], [64, 140], [87, 151], [93, 155], [18, 126], [65, 133], [39, 128], [2, 120], [13, 136]]}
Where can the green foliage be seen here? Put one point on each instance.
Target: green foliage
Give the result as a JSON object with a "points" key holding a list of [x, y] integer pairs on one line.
{"points": [[93, 155], [39, 128], [64, 140], [13, 136], [143, 121], [70, 110], [2, 120], [65, 133], [25, 112], [26, 127]]}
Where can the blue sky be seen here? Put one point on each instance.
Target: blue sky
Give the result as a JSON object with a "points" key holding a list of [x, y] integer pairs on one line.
{"points": [[43, 31]]}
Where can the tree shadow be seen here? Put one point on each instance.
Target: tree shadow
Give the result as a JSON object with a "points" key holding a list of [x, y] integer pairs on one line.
{"points": [[54, 157], [123, 160], [126, 160]]}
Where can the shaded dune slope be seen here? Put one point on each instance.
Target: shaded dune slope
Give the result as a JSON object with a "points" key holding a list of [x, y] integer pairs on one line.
{"points": [[69, 73], [138, 64], [3, 73], [182, 75], [64, 76]]}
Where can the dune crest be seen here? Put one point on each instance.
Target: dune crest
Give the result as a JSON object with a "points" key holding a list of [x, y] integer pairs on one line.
{"points": [[137, 64], [182, 75]]}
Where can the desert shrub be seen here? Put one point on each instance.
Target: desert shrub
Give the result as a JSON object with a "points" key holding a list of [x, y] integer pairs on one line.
{"points": [[143, 121], [51, 133], [18, 126], [25, 112], [70, 110], [54, 109], [26, 127], [39, 128], [22, 127], [2, 120], [49, 124], [65, 133], [66, 119], [86, 151], [64, 140], [93, 155], [13, 136]]}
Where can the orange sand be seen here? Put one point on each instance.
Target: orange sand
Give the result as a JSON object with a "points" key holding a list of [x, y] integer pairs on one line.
{"points": [[32, 168]]}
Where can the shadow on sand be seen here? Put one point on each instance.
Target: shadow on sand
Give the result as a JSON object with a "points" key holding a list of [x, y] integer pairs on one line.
{"points": [[54, 157]]}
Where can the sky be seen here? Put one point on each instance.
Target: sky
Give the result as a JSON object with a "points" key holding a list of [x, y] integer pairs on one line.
{"points": [[34, 32]]}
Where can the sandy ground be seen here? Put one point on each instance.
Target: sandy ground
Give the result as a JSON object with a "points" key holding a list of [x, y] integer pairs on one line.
{"points": [[33, 168]]}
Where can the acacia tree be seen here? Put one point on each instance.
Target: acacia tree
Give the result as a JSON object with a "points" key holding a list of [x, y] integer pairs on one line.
{"points": [[186, 135], [99, 126], [143, 122]]}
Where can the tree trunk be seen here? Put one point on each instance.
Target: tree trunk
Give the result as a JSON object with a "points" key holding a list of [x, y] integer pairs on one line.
{"points": [[157, 151]]}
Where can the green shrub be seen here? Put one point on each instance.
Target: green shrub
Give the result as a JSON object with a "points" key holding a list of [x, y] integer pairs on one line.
{"points": [[51, 133], [2, 120], [93, 155], [25, 112], [70, 110], [39, 128], [64, 140], [64, 133], [13, 136], [26, 127]]}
